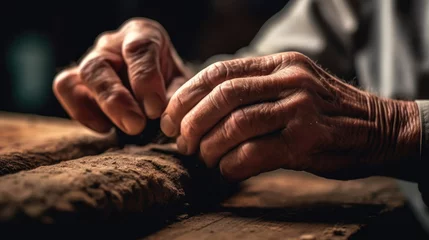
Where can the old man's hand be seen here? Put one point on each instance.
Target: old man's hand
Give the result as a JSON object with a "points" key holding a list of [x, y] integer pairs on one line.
{"points": [[252, 115], [126, 77]]}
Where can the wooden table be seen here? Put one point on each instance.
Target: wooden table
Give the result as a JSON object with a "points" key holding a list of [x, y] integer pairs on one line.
{"points": [[54, 170]]}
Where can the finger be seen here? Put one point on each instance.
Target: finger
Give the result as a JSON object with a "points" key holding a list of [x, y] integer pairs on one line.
{"points": [[76, 99], [175, 84], [244, 124], [141, 50], [226, 97], [254, 157], [109, 41], [98, 73], [203, 83], [231, 94]]}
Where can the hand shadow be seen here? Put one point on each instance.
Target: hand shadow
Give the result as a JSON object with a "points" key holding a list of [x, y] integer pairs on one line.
{"points": [[291, 196]]}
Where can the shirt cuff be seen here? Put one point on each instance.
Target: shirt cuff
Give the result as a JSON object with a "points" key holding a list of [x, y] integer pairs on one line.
{"points": [[423, 179]]}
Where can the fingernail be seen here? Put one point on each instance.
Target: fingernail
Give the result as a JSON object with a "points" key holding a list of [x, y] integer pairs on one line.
{"points": [[181, 145], [153, 105], [167, 126], [133, 123]]}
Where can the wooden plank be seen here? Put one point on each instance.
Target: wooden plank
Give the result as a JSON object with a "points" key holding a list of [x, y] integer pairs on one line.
{"points": [[231, 226], [287, 204]]}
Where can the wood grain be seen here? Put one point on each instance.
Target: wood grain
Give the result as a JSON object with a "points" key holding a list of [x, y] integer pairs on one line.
{"points": [[287, 204], [98, 188], [28, 141]]}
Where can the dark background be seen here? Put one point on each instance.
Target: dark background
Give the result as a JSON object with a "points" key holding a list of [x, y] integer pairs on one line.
{"points": [[39, 38]]}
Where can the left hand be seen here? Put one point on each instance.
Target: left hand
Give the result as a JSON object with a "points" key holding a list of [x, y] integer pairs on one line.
{"points": [[253, 115], [126, 78]]}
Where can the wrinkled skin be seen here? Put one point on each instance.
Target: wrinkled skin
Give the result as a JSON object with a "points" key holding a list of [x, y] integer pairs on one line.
{"points": [[126, 78], [283, 111], [245, 116]]}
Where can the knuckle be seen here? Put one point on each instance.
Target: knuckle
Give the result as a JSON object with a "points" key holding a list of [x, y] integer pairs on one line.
{"points": [[143, 74], [176, 103], [209, 78], [245, 152], [177, 99], [269, 64], [137, 25], [299, 77], [62, 80], [102, 88], [142, 46], [216, 70], [298, 57], [143, 71], [239, 118], [113, 94], [153, 24], [223, 94], [227, 91], [93, 72], [228, 131], [104, 39], [302, 75], [188, 128], [237, 124], [304, 99], [291, 58], [92, 68], [214, 100]]}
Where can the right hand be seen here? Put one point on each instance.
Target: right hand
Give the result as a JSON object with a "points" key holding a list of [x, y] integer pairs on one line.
{"points": [[127, 77], [257, 114]]}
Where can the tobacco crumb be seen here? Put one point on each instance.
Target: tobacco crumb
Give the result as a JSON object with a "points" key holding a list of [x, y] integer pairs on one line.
{"points": [[307, 237], [339, 231], [182, 217], [335, 231]]}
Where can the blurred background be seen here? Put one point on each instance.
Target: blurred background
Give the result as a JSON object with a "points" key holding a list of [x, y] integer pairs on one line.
{"points": [[42, 37]]}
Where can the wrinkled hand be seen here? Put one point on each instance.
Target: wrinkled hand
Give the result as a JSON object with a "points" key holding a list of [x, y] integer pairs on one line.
{"points": [[126, 77], [253, 115]]}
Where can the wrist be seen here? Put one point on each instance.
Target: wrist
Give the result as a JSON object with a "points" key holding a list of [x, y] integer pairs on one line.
{"points": [[400, 127]]}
